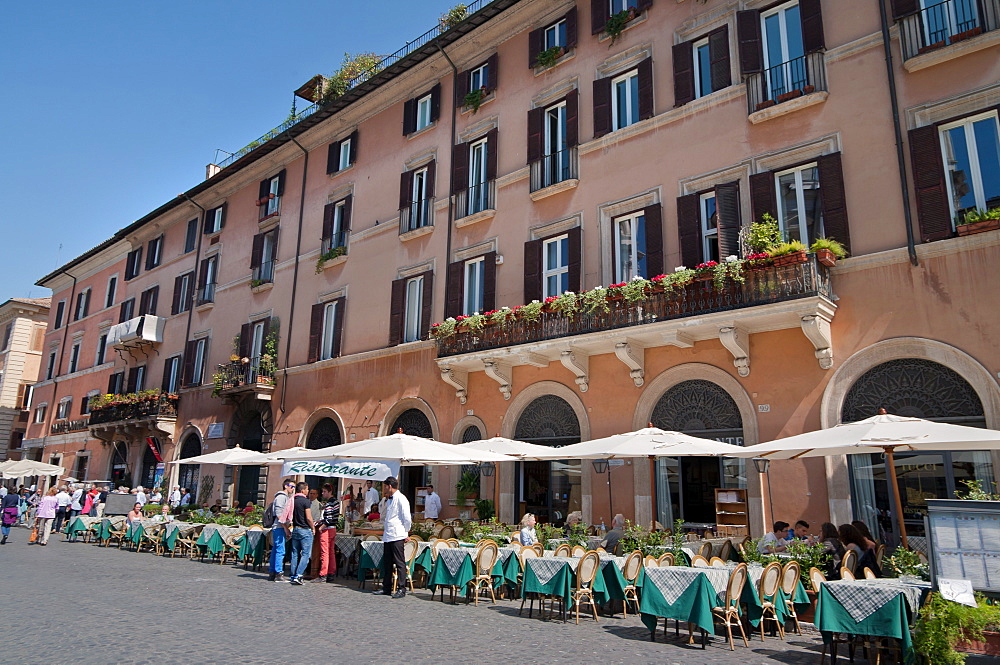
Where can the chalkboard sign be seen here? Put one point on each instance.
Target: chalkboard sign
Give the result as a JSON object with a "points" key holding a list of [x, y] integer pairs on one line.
{"points": [[119, 504], [964, 539]]}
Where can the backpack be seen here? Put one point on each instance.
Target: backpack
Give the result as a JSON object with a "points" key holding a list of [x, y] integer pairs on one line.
{"points": [[268, 519]]}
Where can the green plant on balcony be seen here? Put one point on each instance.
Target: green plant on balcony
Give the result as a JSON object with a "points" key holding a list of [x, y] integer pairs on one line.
{"points": [[617, 23], [763, 234], [351, 68], [830, 244], [453, 17], [731, 269], [632, 291], [501, 316], [975, 216], [474, 99], [254, 283], [785, 248], [531, 312], [444, 329], [567, 304], [595, 301], [475, 322], [549, 56], [329, 255]]}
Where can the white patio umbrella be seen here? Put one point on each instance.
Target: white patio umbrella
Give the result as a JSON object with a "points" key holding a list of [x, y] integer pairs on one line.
{"points": [[27, 467], [409, 450], [884, 433], [519, 449], [234, 456]]}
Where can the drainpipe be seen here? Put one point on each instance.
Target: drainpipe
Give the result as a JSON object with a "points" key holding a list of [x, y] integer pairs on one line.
{"points": [[904, 188], [451, 172], [295, 276], [57, 370], [197, 258]]}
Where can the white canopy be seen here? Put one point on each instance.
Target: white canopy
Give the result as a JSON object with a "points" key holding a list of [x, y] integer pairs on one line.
{"points": [[646, 442], [27, 467], [408, 449], [502, 446], [234, 456]]}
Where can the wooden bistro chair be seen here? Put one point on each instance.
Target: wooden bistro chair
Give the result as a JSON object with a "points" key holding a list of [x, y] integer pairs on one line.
{"points": [[230, 548], [633, 564], [539, 549], [789, 582], [850, 560], [816, 578], [698, 561], [435, 549], [579, 550], [870, 574], [729, 613], [879, 555], [187, 544], [586, 572], [117, 534], [726, 551], [409, 554], [650, 561], [665, 560], [716, 562], [705, 550], [485, 560], [453, 542], [846, 573], [152, 539], [527, 552], [767, 587], [447, 532], [563, 550]]}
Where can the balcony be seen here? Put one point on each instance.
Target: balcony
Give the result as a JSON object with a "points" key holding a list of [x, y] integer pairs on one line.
{"points": [[65, 426], [771, 298], [554, 173], [476, 203], [141, 331], [416, 217], [249, 377], [964, 24], [206, 295], [797, 83], [134, 415], [262, 274]]}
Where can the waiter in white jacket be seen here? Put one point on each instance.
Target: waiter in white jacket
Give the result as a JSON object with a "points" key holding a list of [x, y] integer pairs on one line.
{"points": [[397, 522]]}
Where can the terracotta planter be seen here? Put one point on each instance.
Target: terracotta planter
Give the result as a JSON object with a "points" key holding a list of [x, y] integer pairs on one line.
{"points": [[704, 277], [978, 227], [790, 259], [826, 257], [808, 89], [931, 47], [790, 95], [989, 647], [766, 104], [968, 34]]}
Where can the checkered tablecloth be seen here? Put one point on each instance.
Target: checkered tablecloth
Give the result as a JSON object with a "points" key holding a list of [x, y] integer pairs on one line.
{"points": [[545, 569], [223, 530], [453, 557], [918, 543], [374, 549], [253, 537], [180, 527], [88, 522], [862, 598], [673, 581], [505, 553], [347, 544]]}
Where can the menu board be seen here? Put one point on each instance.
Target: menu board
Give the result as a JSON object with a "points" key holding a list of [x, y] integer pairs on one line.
{"points": [[965, 541]]}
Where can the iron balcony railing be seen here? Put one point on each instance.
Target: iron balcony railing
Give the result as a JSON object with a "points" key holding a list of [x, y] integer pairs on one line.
{"points": [[762, 286], [416, 215], [555, 168], [206, 294], [255, 371], [64, 426], [164, 406], [476, 199], [784, 82], [948, 22], [329, 243], [264, 273]]}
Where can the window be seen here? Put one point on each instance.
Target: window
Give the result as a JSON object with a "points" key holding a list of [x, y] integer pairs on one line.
{"points": [[183, 293], [423, 112], [274, 200], [555, 266], [82, 305], [74, 357], [784, 52], [478, 190], [50, 367], [63, 408], [154, 251], [81, 466], [479, 77], [557, 159], [171, 374], [191, 237], [215, 219], [194, 361], [336, 220], [133, 262], [207, 278], [85, 404], [560, 34], [416, 202], [971, 152], [342, 154], [60, 311], [709, 227], [702, 69], [325, 328], [147, 301], [268, 196], [474, 274], [623, 5], [8, 329], [40, 413], [345, 154], [625, 101], [102, 343], [262, 258], [328, 338], [136, 379], [800, 216], [941, 20], [258, 331], [630, 246], [413, 309], [116, 383], [109, 300], [554, 35], [127, 310]]}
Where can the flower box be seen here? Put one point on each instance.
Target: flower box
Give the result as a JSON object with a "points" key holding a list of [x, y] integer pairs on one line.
{"points": [[808, 89], [978, 227], [766, 104], [931, 47], [989, 647], [790, 95], [791, 259], [826, 257], [967, 34]]}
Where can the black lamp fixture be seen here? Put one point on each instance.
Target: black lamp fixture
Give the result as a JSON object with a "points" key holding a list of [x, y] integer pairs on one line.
{"points": [[486, 469], [600, 465], [762, 464]]}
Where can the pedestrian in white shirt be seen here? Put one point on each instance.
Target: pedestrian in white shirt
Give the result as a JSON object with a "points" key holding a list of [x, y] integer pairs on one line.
{"points": [[140, 496], [432, 504], [175, 497], [371, 496], [155, 497], [397, 522], [63, 501]]}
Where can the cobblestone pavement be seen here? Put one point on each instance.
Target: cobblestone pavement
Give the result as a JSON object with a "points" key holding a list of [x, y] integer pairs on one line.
{"points": [[85, 604]]}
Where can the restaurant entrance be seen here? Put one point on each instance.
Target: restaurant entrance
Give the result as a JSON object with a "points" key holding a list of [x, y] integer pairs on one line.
{"points": [[248, 487], [325, 433], [550, 490], [415, 423]]}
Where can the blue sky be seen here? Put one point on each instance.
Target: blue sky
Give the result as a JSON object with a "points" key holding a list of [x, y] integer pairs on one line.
{"points": [[109, 109]]}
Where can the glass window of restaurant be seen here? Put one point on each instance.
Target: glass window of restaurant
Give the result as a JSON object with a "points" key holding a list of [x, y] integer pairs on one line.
{"points": [[415, 423], [550, 490]]}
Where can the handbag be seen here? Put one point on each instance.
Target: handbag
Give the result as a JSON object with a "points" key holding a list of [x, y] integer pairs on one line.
{"points": [[34, 535]]}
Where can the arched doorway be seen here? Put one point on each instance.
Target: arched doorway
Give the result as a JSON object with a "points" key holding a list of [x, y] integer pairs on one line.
{"points": [[187, 474], [685, 487], [150, 478], [415, 423], [118, 474], [922, 389], [325, 433], [252, 477], [550, 490]]}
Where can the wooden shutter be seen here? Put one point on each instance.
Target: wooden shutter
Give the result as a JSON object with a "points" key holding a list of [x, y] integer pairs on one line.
{"points": [[933, 212], [264, 189], [640, 5], [602, 107], [203, 274], [345, 221], [762, 195], [405, 189], [811, 17], [492, 153], [409, 116], [122, 311], [654, 240], [60, 312], [454, 289], [257, 251], [689, 229], [154, 295], [573, 119], [316, 331], [683, 73], [333, 157], [435, 102], [645, 71], [206, 223], [281, 182], [222, 218], [353, 152], [532, 270], [338, 325], [751, 44], [165, 382], [133, 380], [151, 254], [431, 168], [175, 305], [833, 198], [492, 72], [489, 281], [598, 15], [575, 258], [113, 383], [397, 305], [246, 338], [461, 88], [534, 46], [903, 8], [143, 303], [329, 210], [536, 124], [190, 349], [727, 204], [425, 304], [459, 167], [86, 302], [718, 57], [571, 28]]}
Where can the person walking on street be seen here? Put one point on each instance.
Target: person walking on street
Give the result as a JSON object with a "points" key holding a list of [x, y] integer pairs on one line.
{"points": [[326, 534], [102, 498], [75, 504], [297, 511], [8, 514], [34, 499], [63, 501], [397, 521], [175, 497], [432, 504], [46, 513], [279, 532]]}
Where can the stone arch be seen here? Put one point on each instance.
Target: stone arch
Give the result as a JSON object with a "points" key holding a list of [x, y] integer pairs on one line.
{"points": [[533, 392], [404, 405], [457, 434], [244, 416], [187, 475], [314, 418], [188, 431]]}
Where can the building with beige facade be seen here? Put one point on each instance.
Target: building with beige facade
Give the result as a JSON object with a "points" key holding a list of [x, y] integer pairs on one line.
{"points": [[22, 330], [288, 299]]}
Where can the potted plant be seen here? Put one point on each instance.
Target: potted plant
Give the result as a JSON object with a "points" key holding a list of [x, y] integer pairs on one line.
{"points": [[788, 253], [467, 487], [977, 221], [945, 629], [329, 255], [791, 94], [828, 250], [763, 234], [766, 104], [549, 56], [453, 17], [474, 99], [595, 301], [617, 22], [484, 508]]}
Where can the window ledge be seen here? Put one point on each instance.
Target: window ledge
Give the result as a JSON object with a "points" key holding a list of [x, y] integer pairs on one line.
{"points": [[480, 216], [952, 51], [260, 288], [638, 20], [486, 100], [336, 261], [416, 233], [269, 222], [538, 70], [205, 306], [791, 106], [343, 170], [422, 131], [551, 190]]}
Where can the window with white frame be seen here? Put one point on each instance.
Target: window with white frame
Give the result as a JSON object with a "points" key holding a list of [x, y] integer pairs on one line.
{"points": [[140, 378], [102, 343], [213, 218], [154, 252], [82, 304], [630, 246], [479, 195], [423, 112], [554, 35], [784, 51], [474, 271], [328, 339], [269, 246], [338, 235], [971, 153], [624, 100], [257, 334], [185, 292], [198, 366], [622, 5], [419, 208], [800, 215], [172, 374], [479, 77], [274, 201], [63, 408], [709, 227], [109, 299], [74, 357], [344, 158], [209, 272], [413, 309], [60, 311], [116, 383], [702, 68], [40, 413], [85, 407], [555, 266], [555, 155]]}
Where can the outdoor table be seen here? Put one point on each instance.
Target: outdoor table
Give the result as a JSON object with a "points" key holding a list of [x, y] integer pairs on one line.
{"points": [[370, 557], [593, 542], [253, 542], [81, 524], [556, 576], [508, 565], [612, 579], [681, 593], [136, 529], [424, 558], [175, 529], [454, 567], [881, 608], [213, 537], [691, 547], [347, 545], [752, 600], [107, 525]]}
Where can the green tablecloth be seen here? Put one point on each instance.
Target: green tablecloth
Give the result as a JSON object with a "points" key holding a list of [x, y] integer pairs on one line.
{"points": [[425, 560], [253, 546], [441, 576], [103, 530], [211, 543], [694, 604], [890, 620], [365, 563], [508, 570], [134, 534], [76, 527], [170, 540], [754, 609]]}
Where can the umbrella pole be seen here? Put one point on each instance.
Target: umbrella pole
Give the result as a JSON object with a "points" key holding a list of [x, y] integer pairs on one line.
{"points": [[496, 492], [652, 492], [890, 462]]}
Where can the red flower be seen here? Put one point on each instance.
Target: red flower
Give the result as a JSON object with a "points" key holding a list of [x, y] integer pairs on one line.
{"points": [[551, 299], [617, 286], [461, 318], [706, 265], [659, 278]]}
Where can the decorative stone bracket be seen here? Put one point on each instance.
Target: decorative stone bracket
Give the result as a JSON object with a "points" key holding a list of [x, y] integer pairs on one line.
{"points": [[817, 329], [736, 340], [459, 379], [578, 362], [633, 355], [501, 373]]}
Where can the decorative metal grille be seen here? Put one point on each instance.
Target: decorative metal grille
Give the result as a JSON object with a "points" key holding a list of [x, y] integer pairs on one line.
{"points": [[324, 434], [187, 475], [696, 405], [414, 423], [548, 420], [912, 387], [471, 433]]}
